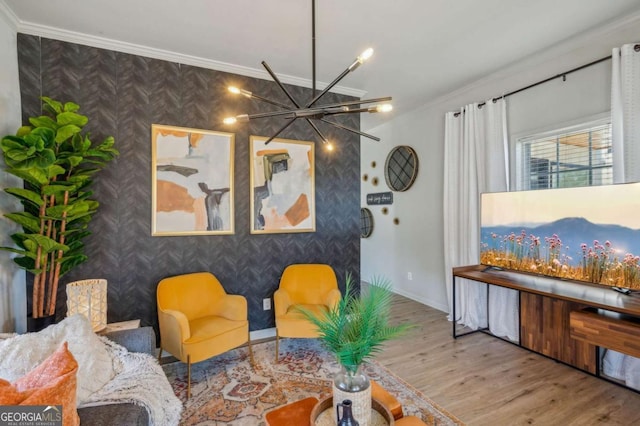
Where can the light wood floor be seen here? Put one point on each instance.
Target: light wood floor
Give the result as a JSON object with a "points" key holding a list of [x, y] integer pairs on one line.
{"points": [[485, 381]]}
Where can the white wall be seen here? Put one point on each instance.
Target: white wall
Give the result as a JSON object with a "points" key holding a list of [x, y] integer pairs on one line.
{"points": [[12, 279], [416, 244]]}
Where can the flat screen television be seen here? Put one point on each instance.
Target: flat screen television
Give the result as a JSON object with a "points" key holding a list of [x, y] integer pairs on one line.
{"points": [[589, 234]]}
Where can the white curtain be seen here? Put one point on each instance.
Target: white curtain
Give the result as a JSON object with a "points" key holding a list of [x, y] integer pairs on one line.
{"points": [[625, 128], [625, 113], [476, 161]]}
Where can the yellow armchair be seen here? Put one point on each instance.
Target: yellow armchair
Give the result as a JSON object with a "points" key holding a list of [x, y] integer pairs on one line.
{"points": [[199, 320], [312, 286]]}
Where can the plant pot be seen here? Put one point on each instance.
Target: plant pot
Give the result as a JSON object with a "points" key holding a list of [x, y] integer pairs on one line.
{"points": [[37, 324], [352, 384]]}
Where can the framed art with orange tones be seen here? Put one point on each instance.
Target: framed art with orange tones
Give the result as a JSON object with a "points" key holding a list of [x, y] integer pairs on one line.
{"points": [[282, 186], [192, 181]]}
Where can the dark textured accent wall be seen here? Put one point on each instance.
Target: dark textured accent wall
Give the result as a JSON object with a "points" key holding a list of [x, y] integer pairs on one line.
{"points": [[123, 95]]}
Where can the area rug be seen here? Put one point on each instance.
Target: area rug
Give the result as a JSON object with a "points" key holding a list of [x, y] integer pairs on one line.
{"points": [[228, 390]]}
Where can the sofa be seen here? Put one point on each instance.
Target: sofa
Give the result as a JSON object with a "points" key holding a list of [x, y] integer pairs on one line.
{"points": [[116, 379], [135, 340]]}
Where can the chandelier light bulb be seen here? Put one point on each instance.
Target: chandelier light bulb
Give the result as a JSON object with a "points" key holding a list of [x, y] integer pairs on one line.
{"points": [[238, 91], [380, 108], [360, 59], [230, 120], [328, 146], [365, 55]]}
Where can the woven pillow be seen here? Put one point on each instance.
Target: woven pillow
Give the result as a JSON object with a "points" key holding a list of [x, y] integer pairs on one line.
{"points": [[51, 383], [21, 354]]}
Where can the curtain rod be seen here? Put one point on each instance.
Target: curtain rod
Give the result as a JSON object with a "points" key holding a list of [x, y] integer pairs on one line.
{"points": [[563, 75]]}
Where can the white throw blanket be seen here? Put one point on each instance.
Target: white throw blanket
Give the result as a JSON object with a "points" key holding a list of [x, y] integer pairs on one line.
{"points": [[139, 380], [22, 353], [107, 372]]}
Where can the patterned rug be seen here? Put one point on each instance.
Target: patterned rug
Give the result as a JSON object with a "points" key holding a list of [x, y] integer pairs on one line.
{"points": [[227, 390]]}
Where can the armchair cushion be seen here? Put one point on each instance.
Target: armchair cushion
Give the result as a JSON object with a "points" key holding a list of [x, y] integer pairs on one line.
{"points": [[294, 324], [311, 286]]}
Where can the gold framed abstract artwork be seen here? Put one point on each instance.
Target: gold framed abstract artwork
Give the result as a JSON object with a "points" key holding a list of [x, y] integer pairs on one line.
{"points": [[192, 181], [282, 186]]}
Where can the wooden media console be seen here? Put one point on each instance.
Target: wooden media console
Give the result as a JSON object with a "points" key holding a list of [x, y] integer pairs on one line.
{"points": [[568, 321]]}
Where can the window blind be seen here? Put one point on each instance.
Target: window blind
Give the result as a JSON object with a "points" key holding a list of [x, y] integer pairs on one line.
{"points": [[566, 159]]}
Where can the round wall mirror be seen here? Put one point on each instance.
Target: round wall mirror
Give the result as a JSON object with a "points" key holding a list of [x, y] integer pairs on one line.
{"points": [[401, 168], [366, 222]]}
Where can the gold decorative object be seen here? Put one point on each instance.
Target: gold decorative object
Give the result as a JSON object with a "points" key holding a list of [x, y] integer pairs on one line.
{"points": [[89, 298]]}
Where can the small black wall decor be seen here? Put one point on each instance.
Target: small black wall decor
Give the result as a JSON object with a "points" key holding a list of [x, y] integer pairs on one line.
{"points": [[124, 95], [366, 222], [379, 198], [401, 168]]}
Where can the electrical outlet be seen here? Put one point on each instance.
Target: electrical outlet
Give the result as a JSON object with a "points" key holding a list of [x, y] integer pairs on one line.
{"points": [[409, 276], [266, 304]]}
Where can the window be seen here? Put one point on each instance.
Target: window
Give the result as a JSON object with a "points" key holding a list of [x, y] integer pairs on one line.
{"points": [[577, 156]]}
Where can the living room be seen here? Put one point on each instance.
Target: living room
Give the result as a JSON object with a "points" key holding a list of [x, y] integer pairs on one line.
{"points": [[110, 81]]}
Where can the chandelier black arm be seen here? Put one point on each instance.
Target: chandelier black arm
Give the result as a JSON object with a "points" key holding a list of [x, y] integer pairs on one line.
{"points": [[279, 83], [356, 102], [317, 109], [313, 125], [349, 129], [349, 111], [269, 101], [329, 87], [286, 92], [287, 124], [270, 114]]}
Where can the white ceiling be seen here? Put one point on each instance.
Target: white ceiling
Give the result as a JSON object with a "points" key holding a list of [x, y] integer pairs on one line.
{"points": [[423, 48]]}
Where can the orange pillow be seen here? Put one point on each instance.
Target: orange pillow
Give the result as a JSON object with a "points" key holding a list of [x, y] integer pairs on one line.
{"points": [[51, 383]]}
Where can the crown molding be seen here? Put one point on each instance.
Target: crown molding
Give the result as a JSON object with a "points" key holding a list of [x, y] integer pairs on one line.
{"points": [[166, 55], [8, 16]]}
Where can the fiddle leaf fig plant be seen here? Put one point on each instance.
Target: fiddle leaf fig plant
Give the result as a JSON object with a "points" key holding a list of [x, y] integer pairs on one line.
{"points": [[57, 161]]}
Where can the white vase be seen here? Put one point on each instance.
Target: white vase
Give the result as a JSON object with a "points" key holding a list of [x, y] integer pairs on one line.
{"points": [[353, 384]]}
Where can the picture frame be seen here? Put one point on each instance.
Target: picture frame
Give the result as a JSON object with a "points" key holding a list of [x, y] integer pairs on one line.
{"points": [[282, 176], [192, 181]]}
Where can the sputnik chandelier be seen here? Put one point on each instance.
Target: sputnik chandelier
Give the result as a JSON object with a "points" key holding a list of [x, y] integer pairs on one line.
{"points": [[311, 112]]}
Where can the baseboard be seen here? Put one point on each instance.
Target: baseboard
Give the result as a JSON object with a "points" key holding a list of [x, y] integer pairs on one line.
{"points": [[428, 302], [267, 333]]}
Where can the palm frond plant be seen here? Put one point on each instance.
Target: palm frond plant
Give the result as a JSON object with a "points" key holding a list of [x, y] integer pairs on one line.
{"points": [[356, 329], [57, 161]]}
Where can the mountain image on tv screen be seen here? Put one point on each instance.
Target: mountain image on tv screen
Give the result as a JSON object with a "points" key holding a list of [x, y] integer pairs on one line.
{"points": [[587, 234]]}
